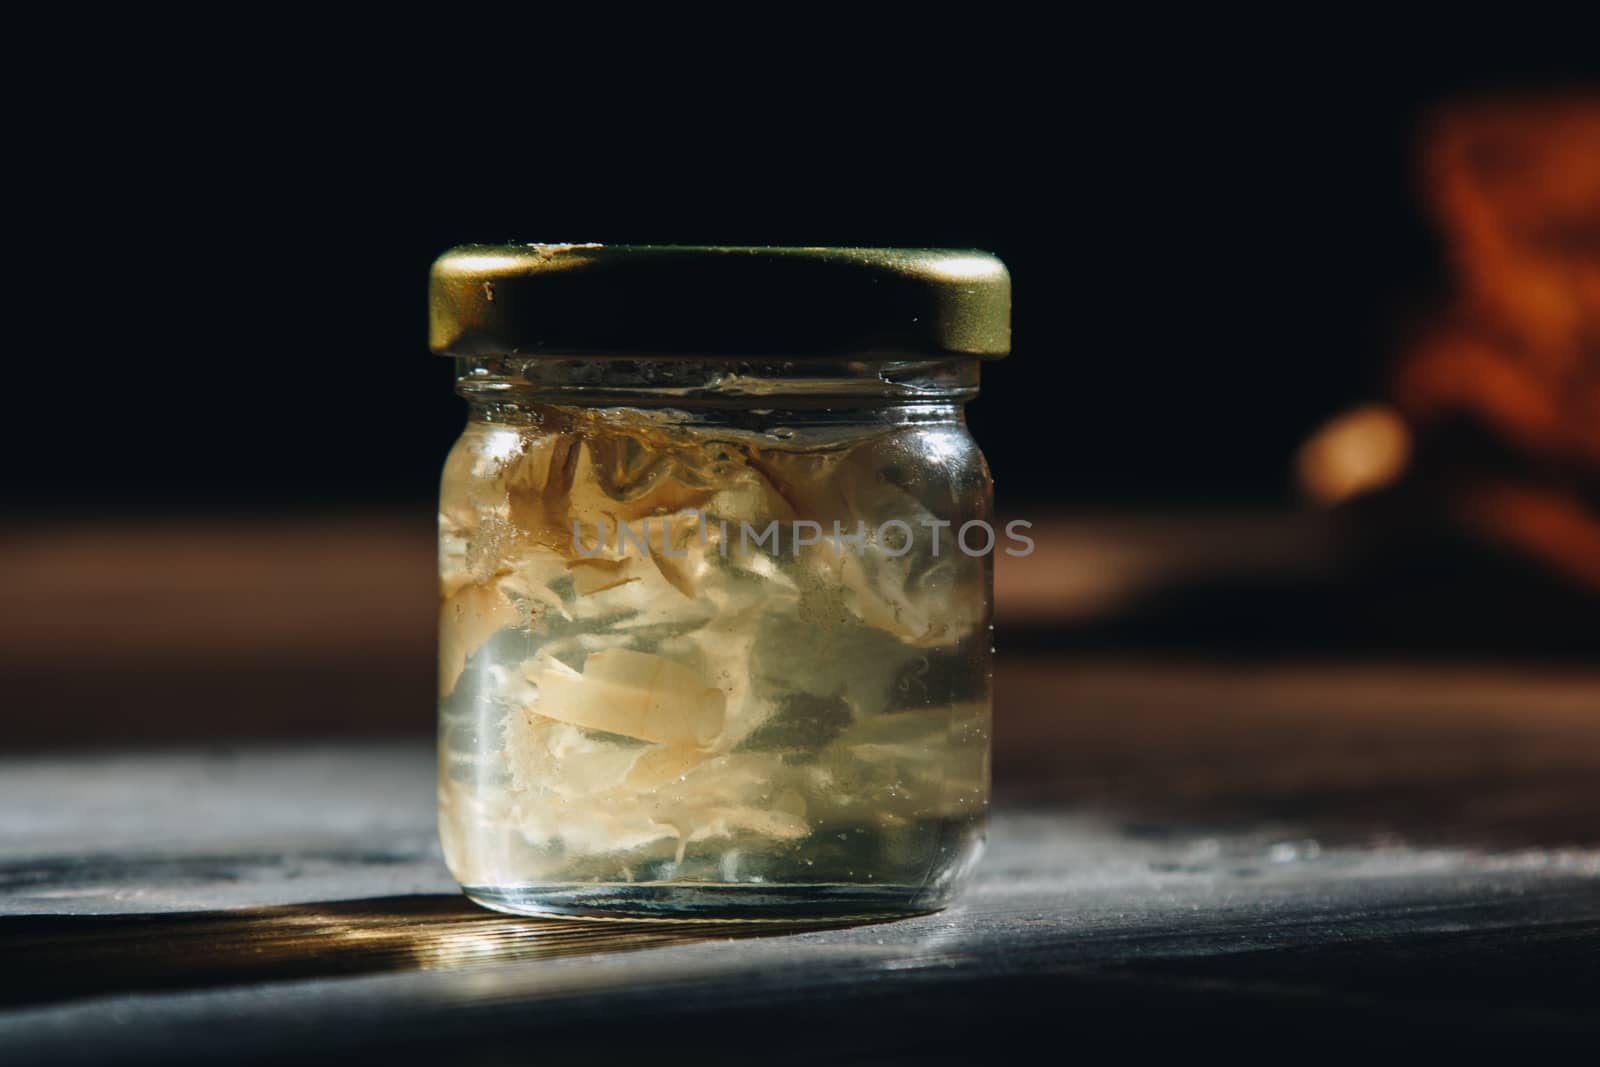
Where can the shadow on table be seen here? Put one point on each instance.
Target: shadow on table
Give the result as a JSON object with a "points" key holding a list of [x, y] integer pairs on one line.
{"points": [[60, 957]]}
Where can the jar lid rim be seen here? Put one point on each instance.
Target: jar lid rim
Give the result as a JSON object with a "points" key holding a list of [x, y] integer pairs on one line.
{"points": [[709, 301]]}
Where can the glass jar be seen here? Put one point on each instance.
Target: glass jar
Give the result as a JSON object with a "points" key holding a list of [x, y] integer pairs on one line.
{"points": [[716, 572]]}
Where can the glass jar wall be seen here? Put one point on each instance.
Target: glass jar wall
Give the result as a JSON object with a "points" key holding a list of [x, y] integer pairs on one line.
{"points": [[712, 644]]}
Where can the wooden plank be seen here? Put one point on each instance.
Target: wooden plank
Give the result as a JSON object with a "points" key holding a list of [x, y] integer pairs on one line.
{"points": [[1287, 855]]}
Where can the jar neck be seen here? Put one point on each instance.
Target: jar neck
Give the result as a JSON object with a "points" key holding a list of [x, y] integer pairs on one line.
{"points": [[791, 386]]}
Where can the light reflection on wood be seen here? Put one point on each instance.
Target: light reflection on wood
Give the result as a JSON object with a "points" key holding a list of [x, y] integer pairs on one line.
{"points": [[53, 958]]}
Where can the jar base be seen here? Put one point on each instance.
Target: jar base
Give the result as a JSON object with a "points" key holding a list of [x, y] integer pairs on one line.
{"points": [[712, 902]]}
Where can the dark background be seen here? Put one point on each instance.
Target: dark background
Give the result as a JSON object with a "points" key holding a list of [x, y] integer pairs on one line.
{"points": [[224, 430], [225, 252]]}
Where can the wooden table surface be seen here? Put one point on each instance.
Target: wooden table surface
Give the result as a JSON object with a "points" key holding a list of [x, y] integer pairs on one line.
{"points": [[1284, 858]]}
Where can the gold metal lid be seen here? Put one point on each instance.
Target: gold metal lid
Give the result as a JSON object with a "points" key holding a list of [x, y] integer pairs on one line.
{"points": [[710, 301]]}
